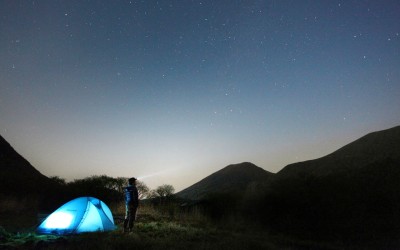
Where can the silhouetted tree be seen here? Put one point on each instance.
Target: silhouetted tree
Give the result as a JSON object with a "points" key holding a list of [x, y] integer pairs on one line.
{"points": [[103, 187], [143, 189], [58, 180], [120, 183], [165, 190]]}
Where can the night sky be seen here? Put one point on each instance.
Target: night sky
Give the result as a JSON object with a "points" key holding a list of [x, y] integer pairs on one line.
{"points": [[184, 88]]}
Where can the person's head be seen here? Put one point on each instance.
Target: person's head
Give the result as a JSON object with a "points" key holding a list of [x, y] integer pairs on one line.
{"points": [[132, 181]]}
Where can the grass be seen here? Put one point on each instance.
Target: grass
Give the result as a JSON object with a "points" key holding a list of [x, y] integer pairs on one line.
{"points": [[152, 235], [158, 228], [161, 228]]}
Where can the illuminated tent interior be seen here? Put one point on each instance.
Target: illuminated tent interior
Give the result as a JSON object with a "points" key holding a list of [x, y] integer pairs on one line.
{"points": [[84, 214]]}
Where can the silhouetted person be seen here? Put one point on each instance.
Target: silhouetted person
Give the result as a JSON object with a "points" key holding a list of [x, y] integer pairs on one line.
{"points": [[131, 204]]}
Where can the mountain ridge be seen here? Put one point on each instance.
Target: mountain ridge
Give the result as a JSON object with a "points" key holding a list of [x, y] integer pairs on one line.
{"points": [[370, 148], [10, 158], [234, 177], [17, 174]]}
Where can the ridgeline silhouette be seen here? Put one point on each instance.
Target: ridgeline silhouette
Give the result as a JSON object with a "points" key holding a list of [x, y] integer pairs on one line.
{"points": [[18, 176], [233, 178]]}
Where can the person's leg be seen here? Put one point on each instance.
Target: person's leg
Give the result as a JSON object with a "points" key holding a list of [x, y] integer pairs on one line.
{"points": [[127, 218], [132, 217]]}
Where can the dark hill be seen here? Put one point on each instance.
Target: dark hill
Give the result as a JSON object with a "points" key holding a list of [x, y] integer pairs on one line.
{"points": [[370, 149], [236, 177], [17, 175], [22, 183], [351, 194]]}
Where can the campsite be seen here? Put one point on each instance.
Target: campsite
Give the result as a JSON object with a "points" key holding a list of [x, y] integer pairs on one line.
{"points": [[161, 228]]}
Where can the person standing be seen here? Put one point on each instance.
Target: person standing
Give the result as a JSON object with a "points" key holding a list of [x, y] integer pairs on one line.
{"points": [[131, 204]]}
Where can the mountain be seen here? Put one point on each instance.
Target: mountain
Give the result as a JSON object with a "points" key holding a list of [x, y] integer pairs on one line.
{"points": [[17, 175], [369, 149], [236, 177], [352, 193], [22, 187], [362, 155]]}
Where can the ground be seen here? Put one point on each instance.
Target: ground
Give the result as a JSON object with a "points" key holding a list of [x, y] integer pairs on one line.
{"points": [[155, 233], [157, 230]]}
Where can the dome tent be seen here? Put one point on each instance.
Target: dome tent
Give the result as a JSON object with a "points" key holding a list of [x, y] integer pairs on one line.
{"points": [[84, 214]]}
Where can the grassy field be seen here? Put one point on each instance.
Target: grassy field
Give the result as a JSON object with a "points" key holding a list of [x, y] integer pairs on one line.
{"points": [[147, 235], [164, 228], [156, 235], [156, 228]]}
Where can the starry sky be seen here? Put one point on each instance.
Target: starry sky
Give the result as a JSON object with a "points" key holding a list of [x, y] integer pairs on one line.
{"points": [[180, 89]]}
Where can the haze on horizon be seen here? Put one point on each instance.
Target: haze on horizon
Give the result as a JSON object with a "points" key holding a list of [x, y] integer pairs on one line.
{"points": [[184, 88]]}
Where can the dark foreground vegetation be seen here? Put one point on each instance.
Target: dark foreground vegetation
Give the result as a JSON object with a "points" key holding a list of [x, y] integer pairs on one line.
{"points": [[159, 226], [218, 222]]}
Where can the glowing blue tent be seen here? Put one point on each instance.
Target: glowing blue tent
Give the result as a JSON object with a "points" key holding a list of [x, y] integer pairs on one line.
{"points": [[84, 214]]}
